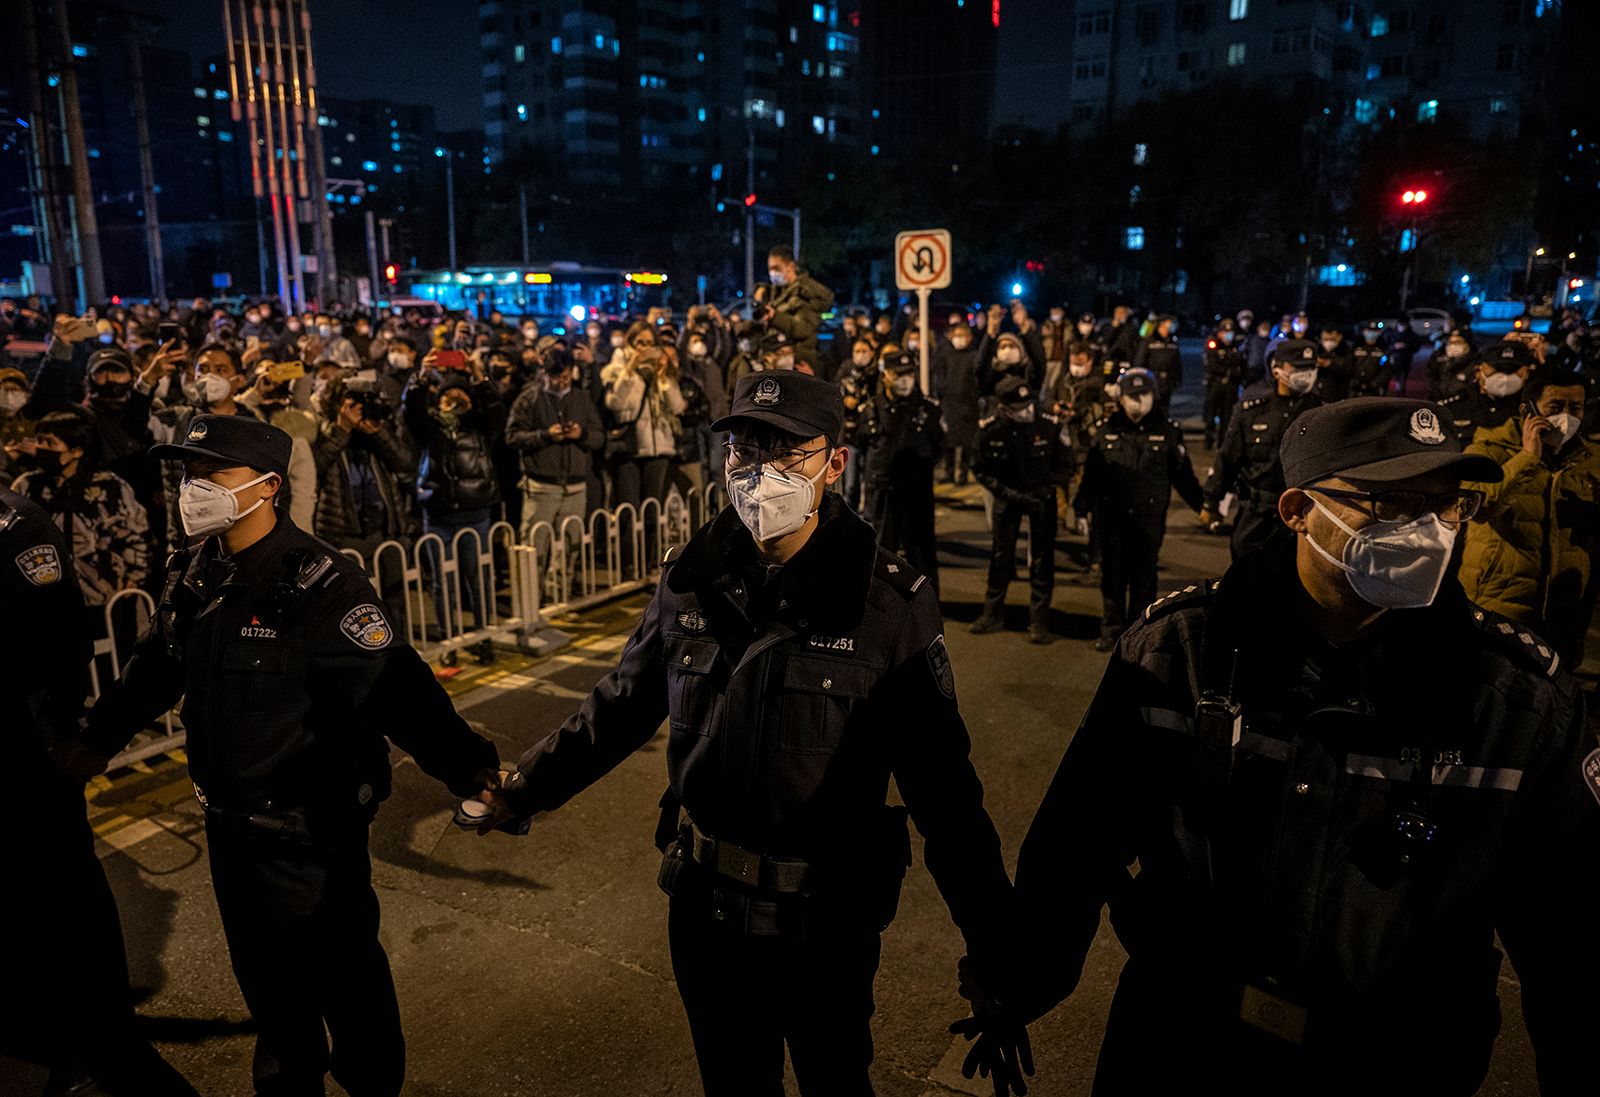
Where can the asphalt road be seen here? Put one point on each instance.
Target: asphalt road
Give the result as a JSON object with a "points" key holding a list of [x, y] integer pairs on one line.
{"points": [[539, 965]]}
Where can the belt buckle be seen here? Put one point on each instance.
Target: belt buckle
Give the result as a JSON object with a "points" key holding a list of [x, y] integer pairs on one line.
{"points": [[738, 864]]}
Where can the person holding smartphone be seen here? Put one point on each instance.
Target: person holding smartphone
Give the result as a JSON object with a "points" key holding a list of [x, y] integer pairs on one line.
{"points": [[1530, 552]]}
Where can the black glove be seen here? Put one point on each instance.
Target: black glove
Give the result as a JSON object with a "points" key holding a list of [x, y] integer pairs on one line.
{"points": [[1000, 1048], [1000, 1051]]}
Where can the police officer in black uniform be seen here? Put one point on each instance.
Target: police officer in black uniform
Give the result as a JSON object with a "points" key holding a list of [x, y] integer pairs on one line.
{"points": [[291, 678], [902, 435], [1247, 462], [1224, 372], [1023, 456], [1495, 389], [64, 996], [1137, 461], [1370, 371], [1341, 782], [799, 666]]}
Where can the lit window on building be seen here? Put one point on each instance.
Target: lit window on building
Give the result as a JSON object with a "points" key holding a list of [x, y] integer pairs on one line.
{"points": [[1498, 106], [519, 53], [1141, 153], [819, 13], [202, 120], [1428, 110], [369, 165], [555, 45], [819, 124], [522, 112], [1236, 53], [1379, 26], [1133, 238], [1364, 111], [1238, 9]]}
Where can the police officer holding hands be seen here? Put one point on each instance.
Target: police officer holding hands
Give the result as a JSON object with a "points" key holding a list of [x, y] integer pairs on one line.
{"points": [[799, 666], [1340, 781], [292, 678], [64, 996]]}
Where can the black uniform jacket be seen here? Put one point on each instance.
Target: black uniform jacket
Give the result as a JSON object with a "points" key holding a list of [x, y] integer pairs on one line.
{"points": [[1247, 460], [1293, 876], [292, 677], [791, 699]]}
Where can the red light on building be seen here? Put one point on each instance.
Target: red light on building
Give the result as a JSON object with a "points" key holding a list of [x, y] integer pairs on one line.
{"points": [[994, 13]]}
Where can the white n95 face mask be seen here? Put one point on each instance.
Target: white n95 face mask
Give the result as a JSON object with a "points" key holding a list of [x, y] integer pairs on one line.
{"points": [[214, 389], [1567, 424], [770, 503], [1501, 385], [1393, 565], [208, 507]]}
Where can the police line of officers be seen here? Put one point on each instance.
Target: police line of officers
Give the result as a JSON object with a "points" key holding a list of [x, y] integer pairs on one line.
{"points": [[1308, 825]]}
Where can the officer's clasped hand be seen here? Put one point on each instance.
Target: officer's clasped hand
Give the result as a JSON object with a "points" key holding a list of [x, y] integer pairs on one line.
{"points": [[1000, 1048], [494, 798]]}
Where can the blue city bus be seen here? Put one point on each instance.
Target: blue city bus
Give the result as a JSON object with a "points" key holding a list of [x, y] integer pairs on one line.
{"points": [[553, 293]]}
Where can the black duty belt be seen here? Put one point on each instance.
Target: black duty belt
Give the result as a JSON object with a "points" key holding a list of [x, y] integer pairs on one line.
{"points": [[776, 874]]}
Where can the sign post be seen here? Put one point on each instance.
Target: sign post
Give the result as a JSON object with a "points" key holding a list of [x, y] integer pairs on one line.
{"points": [[922, 263]]}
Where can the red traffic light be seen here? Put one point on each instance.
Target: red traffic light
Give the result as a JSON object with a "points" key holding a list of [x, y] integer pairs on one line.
{"points": [[1414, 197], [391, 273], [750, 199]]}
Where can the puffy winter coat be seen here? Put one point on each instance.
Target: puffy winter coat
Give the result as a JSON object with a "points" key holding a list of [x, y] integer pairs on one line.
{"points": [[1530, 550]]}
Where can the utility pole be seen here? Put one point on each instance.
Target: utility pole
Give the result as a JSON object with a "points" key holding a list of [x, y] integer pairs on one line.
{"points": [[522, 207], [384, 225], [372, 261], [147, 174], [322, 216], [449, 197], [88, 226], [749, 214], [291, 195], [44, 158]]}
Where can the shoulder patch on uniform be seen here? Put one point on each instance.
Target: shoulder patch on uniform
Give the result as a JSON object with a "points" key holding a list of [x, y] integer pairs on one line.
{"points": [[1189, 597], [40, 565], [899, 575], [1590, 767], [367, 627], [1517, 642], [944, 674]]}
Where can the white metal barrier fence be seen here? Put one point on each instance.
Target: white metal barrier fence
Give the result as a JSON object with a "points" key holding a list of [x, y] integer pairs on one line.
{"points": [[460, 593]]}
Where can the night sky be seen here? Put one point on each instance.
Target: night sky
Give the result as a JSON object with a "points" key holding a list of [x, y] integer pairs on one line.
{"points": [[409, 51]]}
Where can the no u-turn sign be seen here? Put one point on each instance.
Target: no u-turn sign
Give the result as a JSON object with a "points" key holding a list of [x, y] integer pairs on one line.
{"points": [[922, 259]]}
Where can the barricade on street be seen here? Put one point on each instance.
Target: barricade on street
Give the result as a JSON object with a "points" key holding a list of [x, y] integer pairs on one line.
{"points": [[458, 594]]}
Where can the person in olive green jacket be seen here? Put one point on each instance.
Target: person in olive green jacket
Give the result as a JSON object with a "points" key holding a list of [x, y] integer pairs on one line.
{"points": [[1530, 551]]}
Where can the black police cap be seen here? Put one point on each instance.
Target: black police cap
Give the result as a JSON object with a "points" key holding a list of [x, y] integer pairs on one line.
{"points": [[1295, 354], [1378, 439], [1136, 382], [236, 440], [1506, 356], [793, 402]]}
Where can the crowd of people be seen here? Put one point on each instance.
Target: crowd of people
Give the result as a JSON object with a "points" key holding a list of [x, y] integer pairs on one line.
{"points": [[404, 424]]}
